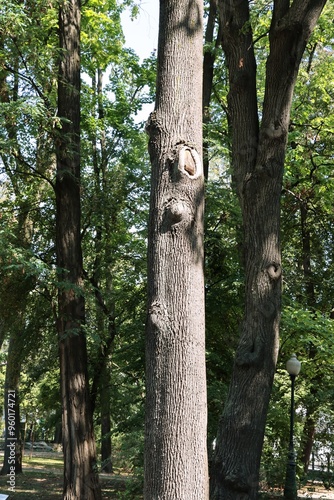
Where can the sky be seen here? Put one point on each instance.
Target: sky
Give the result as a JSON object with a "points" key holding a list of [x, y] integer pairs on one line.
{"points": [[141, 34]]}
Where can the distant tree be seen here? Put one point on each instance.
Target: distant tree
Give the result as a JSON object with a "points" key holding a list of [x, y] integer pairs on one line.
{"points": [[31, 129], [18, 271], [114, 183]]}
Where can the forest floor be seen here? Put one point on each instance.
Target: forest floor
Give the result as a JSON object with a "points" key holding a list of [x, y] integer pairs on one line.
{"points": [[312, 490], [305, 493], [42, 480]]}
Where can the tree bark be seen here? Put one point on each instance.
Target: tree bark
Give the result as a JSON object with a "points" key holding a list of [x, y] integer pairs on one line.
{"points": [[12, 461], [175, 444], [80, 477], [258, 155]]}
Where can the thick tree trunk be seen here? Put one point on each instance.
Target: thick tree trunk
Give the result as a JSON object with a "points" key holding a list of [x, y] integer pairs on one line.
{"points": [[258, 159], [80, 477], [175, 445]]}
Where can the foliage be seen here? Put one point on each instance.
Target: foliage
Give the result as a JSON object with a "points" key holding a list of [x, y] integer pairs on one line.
{"points": [[223, 290], [28, 116], [307, 325]]}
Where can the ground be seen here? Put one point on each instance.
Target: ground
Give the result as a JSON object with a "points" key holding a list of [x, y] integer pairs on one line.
{"points": [[314, 490], [42, 480]]}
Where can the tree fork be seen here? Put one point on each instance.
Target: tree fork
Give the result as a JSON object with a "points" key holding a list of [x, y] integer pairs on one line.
{"points": [[258, 155]]}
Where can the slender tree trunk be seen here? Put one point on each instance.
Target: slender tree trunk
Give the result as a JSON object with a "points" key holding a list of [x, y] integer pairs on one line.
{"points": [[208, 67], [58, 433], [104, 311], [258, 155], [175, 445], [309, 434], [312, 408], [105, 398], [19, 286], [80, 476], [13, 450]]}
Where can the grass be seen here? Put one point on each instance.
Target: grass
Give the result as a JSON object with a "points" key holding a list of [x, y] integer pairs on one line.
{"points": [[42, 479], [46, 462]]}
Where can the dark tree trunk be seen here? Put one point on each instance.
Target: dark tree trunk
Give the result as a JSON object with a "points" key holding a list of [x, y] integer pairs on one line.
{"points": [[105, 398], [80, 476], [175, 441], [19, 287], [12, 463], [312, 408], [58, 439], [105, 306], [208, 67], [309, 434], [258, 155]]}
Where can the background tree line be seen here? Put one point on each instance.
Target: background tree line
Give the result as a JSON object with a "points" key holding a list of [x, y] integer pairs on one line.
{"points": [[114, 199]]}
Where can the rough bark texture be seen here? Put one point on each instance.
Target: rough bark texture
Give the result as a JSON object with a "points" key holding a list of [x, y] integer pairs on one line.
{"points": [[80, 477], [258, 155], [175, 446]]}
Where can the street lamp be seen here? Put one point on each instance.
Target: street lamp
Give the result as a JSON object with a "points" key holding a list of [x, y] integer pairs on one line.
{"points": [[290, 490]]}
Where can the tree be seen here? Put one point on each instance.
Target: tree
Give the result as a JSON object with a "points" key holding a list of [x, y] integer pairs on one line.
{"points": [[115, 158], [210, 48], [257, 156], [18, 270], [307, 219], [31, 128], [80, 475], [175, 441]]}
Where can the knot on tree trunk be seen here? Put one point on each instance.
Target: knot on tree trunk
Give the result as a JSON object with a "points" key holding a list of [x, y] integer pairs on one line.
{"points": [[250, 351], [177, 211], [274, 270], [189, 162], [247, 357]]}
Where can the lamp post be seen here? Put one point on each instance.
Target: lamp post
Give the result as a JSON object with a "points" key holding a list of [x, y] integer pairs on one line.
{"points": [[290, 490]]}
